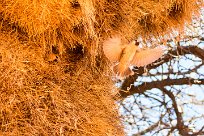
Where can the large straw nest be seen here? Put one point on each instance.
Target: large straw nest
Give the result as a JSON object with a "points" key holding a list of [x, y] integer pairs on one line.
{"points": [[52, 98], [54, 78], [83, 21]]}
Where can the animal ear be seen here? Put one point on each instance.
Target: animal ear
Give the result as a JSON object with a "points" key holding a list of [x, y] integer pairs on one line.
{"points": [[147, 56], [112, 48]]}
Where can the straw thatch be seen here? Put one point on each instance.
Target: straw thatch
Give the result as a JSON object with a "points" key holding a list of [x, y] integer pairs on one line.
{"points": [[39, 97], [85, 20], [54, 77]]}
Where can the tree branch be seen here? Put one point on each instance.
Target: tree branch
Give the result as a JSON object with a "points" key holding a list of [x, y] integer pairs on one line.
{"points": [[158, 84], [183, 130], [200, 132], [181, 50], [152, 127]]}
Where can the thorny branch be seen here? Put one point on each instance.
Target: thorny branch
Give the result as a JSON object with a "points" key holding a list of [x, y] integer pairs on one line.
{"points": [[128, 89], [180, 124], [181, 50], [166, 97], [157, 84]]}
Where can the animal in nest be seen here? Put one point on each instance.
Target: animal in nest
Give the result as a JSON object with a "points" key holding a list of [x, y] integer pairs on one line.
{"points": [[123, 56]]}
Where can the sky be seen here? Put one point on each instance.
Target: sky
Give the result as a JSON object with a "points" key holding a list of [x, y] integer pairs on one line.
{"points": [[190, 100]]}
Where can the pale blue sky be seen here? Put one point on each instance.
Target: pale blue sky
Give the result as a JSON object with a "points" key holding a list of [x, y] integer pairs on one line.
{"points": [[190, 100]]}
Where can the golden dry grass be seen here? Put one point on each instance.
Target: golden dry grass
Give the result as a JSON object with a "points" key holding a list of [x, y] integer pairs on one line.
{"points": [[87, 20], [52, 98], [54, 79]]}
